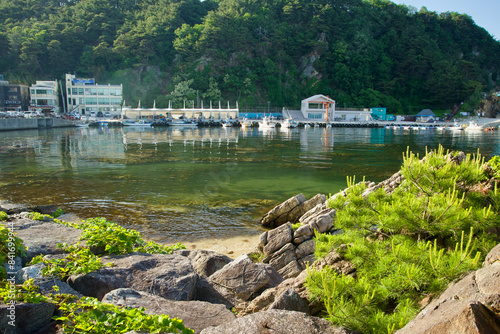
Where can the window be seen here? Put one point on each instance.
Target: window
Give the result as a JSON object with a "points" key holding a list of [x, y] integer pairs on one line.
{"points": [[103, 100], [91, 91], [115, 101], [91, 100], [80, 91], [315, 106], [314, 115], [102, 91], [74, 91]]}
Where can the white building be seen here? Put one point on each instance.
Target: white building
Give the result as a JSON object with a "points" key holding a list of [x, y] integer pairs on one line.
{"points": [[322, 108], [85, 96], [44, 96]]}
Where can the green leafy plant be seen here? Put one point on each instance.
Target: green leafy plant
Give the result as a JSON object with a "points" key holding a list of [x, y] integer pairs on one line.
{"points": [[79, 260], [3, 216], [115, 239], [10, 247]]}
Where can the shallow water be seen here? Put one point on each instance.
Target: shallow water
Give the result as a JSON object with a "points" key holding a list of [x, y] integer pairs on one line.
{"points": [[186, 184]]}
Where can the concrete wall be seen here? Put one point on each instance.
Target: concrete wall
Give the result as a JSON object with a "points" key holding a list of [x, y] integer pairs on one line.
{"points": [[32, 123]]}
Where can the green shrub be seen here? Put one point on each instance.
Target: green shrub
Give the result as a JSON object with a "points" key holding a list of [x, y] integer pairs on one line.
{"points": [[408, 244], [3, 216], [10, 247]]}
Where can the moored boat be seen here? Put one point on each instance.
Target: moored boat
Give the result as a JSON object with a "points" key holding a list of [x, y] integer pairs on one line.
{"points": [[140, 122], [266, 123]]}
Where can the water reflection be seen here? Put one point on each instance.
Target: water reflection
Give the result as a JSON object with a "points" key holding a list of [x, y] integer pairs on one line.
{"points": [[177, 183]]}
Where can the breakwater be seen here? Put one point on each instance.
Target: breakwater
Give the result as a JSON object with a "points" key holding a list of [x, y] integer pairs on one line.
{"points": [[7, 124]]}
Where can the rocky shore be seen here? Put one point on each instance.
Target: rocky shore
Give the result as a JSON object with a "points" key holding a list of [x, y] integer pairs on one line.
{"points": [[258, 292]]}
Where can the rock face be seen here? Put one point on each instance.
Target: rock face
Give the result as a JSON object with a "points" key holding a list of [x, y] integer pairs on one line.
{"points": [[42, 237], [276, 321], [468, 306], [25, 318], [289, 251], [168, 276], [196, 315], [290, 210], [242, 279]]}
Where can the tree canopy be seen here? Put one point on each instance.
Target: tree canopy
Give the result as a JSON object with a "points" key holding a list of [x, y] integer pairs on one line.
{"points": [[364, 53]]}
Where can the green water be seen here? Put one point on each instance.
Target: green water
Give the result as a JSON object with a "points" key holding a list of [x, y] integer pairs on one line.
{"points": [[184, 184]]}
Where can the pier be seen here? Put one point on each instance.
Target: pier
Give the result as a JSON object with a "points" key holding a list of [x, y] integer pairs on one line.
{"points": [[201, 113]]}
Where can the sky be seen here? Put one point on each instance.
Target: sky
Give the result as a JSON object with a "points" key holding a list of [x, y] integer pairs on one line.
{"points": [[485, 13]]}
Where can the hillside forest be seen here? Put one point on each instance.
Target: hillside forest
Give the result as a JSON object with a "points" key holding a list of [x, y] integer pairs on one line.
{"points": [[261, 53]]}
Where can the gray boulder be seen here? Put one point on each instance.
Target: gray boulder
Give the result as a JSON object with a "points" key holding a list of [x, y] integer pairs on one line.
{"points": [[242, 279], [41, 238], [468, 306], [168, 276], [290, 210], [205, 263], [196, 315], [22, 318], [278, 322]]}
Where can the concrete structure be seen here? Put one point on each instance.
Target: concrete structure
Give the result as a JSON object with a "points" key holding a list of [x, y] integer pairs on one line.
{"points": [[13, 97], [321, 108], [44, 96], [188, 110], [85, 96], [33, 123]]}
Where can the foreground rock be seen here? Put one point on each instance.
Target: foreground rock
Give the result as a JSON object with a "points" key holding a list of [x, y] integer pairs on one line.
{"points": [[469, 306], [290, 251], [196, 315], [242, 279], [290, 210], [276, 322], [168, 276]]}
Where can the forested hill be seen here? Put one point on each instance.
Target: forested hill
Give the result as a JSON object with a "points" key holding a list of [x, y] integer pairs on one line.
{"points": [[360, 52]]}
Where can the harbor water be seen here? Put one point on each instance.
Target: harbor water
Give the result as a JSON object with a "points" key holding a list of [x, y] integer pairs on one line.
{"points": [[179, 184]]}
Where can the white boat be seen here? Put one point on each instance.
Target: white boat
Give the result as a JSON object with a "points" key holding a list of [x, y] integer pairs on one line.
{"points": [[140, 122], [246, 123], [288, 123], [180, 122], [82, 125], [455, 127], [473, 126], [227, 124], [266, 123]]}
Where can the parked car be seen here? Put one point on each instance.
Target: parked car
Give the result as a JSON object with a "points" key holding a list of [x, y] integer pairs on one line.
{"points": [[100, 114], [107, 114]]}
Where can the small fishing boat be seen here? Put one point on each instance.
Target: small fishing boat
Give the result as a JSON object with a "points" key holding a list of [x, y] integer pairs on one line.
{"points": [[140, 122], [266, 123], [473, 126], [455, 127], [288, 123], [180, 122], [227, 124], [246, 123], [82, 125]]}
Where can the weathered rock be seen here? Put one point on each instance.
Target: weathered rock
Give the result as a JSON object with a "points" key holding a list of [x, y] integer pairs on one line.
{"points": [[305, 248], [290, 301], [22, 318], [169, 276], [278, 322], [205, 263], [267, 298], [242, 279], [46, 209], [467, 306], [493, 256], [206, 292], [290, 211], [277, 238], [30, 272], [280, 214], [196, 315], [43, 237]]}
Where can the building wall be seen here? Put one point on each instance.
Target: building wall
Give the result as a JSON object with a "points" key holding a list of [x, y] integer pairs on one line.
{"points": [[13, 97], [45, 95], [85, 96]]}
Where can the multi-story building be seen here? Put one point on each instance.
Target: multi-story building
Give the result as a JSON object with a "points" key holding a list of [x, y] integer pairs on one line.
{"points": [[44, 96], [85, 96], [13, 97]]}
